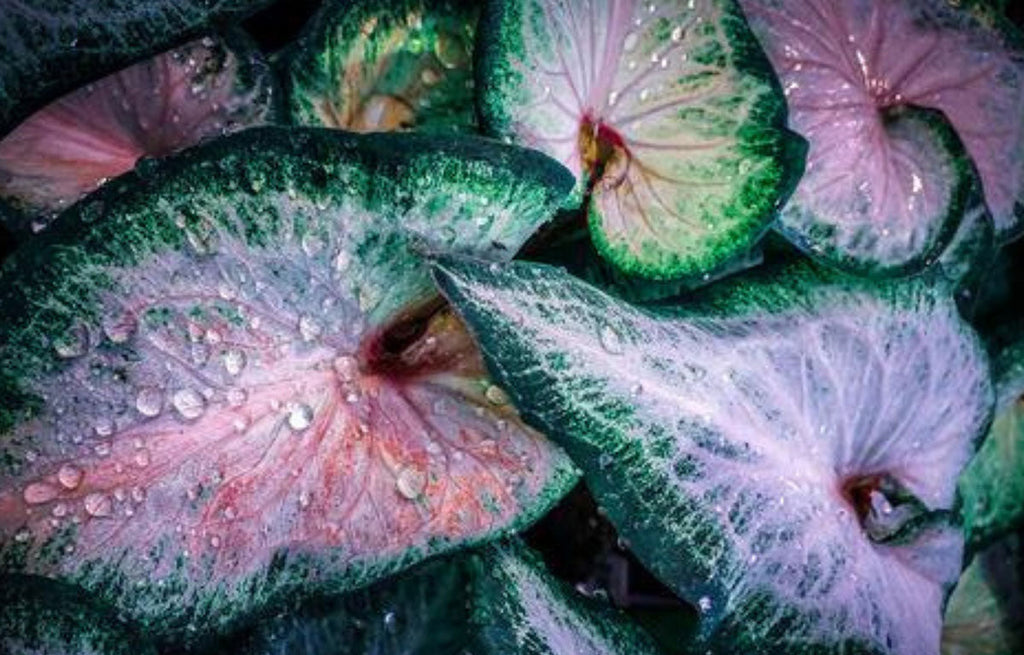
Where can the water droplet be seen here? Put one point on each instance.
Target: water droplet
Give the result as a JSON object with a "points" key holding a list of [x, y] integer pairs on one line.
{"points": [[704, 603], [31, 456], [73, 344], [39, 492], [496, 395], [70, 476], [309, 328], [230, 513], [104, 426], [142, 458], [149, 402], [215, 541], [188, 403], [304, 499], [300, 416], [610, 340], [236, 397], [411, 482], [98, 505], [120, 329], [234, 361]]}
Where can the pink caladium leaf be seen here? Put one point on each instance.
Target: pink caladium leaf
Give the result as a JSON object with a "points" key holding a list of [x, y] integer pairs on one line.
{"points": [[154, 108], [238, 385], [49, 49], [884, 184], [782, 452], [667, 113]]}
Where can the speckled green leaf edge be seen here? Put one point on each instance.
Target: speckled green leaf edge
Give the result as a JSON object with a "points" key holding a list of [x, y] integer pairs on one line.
{"points": [[48, 51], [521, 609]]}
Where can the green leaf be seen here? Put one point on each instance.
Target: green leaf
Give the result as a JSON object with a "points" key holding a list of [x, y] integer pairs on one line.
{"points": [[992, 485], [372, 66], [227, 381], [48, 49], [782, 454], [668, 114]]}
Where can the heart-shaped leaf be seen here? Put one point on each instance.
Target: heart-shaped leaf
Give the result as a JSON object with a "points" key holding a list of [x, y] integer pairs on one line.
{"points": [[992, 485], [45, 617], [783, 455], [154, 108], [48, 49], [667, 113], [883, 191], [238, 384], [983, 615], [371, 66]]}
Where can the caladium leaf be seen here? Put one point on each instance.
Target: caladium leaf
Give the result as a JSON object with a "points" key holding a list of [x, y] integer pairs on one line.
{"points": [[520, 609], [47, 50], [45, 617], [883, 183], [783, 455], [667, 113], [992, 485], [151, 109], [373, 66], [984, 613], [226, 379]]}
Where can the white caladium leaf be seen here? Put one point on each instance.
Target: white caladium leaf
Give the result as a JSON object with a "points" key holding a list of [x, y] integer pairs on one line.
{"points": [[227, 381], [668, 114], [151, 109], [992, 485], [49, 49], [518, 608], [983, 614], [882, 189], [371, 66], [46, 617], [783, 455]]}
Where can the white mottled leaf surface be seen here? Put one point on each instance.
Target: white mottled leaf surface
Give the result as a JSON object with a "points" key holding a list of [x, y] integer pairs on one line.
{"points": [[783, 456]]}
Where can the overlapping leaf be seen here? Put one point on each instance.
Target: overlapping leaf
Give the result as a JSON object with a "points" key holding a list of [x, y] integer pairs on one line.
{"points": [[784, 456], [228, 380]]}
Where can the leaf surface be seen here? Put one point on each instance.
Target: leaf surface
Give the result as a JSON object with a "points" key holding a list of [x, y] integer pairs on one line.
{"points": [[154, 108], [380, 66], [783, 455], [667, 113], [237, 384], [49, 49], [873, 193]]}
